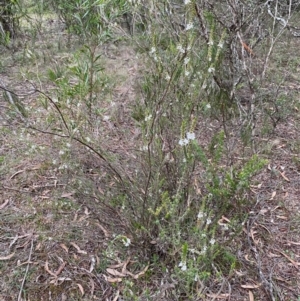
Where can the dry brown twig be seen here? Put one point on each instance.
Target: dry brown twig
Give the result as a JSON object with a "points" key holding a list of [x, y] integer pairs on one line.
{"points": [[26, 272]]}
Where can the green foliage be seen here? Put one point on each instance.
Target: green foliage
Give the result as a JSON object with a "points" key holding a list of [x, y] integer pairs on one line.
{"points": [[90, 18]]}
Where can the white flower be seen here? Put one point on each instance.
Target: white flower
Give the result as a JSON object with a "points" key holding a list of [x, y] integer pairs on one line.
{"points": [[183, 266], [88, 139], [61, 152], [180, 48], [168, 77], [203, 249], [190, 136], [208, 106], [225, 227], [153, 49], [186, 2], [68, 145], [183, 142], [211, 43], [189, 26], [211, 69], [200, 215], [187, 73], [212, 241], [126, 241], [208, 221], [147, 118], [186, 60], [220, 45]]}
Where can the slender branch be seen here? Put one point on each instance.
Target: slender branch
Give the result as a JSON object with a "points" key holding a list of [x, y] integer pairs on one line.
{"points": [[26, 272]]}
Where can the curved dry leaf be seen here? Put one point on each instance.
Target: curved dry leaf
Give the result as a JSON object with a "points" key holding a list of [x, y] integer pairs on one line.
{"points": [[16, 173], [124, 269], [77, 248], [64, 247], [7, 257], [293, 243], [218, 296], [112, 280], [294, 263], [273, 195], [284, 176], [250, 286], [4, 204], [80, 288], [115, 272], [136, 276], [251, 296], [48, 270], [59, 270], [103, 230]]}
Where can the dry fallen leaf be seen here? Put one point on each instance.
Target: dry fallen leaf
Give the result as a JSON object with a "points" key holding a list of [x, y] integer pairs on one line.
{"points": [[7, 257], [4, 204], [64, 247], [273, 195], [59, 270], [124, 269], [281, 217], [16, 173], [218, 296], [115, 272], [80, 288], [136, 276], [77, 248], [283, 175], [67, 195], [251, 296], [48, 270], [112, 280], [250, 286], [294, 263], [294, 243], [103, 230]]}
